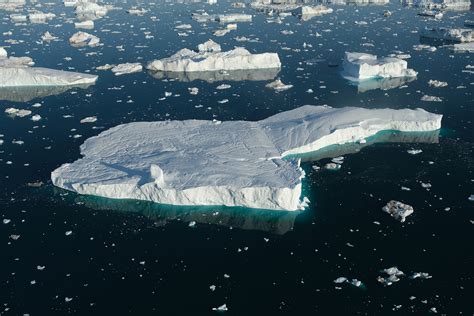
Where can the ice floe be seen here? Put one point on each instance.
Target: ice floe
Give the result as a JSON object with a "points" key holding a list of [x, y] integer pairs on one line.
{"points": [[127, 68], [81, 39]]}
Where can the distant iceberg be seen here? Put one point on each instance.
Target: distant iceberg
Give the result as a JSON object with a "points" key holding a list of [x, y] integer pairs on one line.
{"points": [[28, 93], [18, 72], [233, 163], [455, 5], [210, 58], [361, 66], [449, 34]]}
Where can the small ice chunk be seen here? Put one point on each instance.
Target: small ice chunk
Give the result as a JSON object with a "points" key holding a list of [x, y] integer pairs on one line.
{"points": [[127, 68], [398, 210], [278, 85], [221, 308], [80, 39]]}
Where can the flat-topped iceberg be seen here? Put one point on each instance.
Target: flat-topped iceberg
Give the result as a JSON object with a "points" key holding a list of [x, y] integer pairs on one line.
{"points": [[360, 66], [18, 72], [233, 163], [210, 58], [448, 34]]}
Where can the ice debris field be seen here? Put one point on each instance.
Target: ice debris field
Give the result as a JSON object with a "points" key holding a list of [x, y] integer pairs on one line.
{"points": [[158, 157]]}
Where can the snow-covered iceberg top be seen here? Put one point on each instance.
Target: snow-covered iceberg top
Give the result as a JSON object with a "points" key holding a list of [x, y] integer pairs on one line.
{"points": [[210, 58], [18, 72], [233, 163], [448, 34], [360, 66]]}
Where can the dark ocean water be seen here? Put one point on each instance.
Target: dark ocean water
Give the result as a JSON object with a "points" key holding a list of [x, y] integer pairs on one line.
{"points": [[92, 256]]}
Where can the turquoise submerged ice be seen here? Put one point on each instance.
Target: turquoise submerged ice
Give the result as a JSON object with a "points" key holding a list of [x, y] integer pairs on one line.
{"points": [[233, 163]]}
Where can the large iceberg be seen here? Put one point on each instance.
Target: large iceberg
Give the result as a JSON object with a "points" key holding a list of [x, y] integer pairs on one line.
{"points": [[28, 93], [360, 66], [210, 58], [233, 163], [18, 72]]}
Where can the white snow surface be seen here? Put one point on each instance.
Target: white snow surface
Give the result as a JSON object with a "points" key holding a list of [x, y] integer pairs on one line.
{"points": [[232, 163], [210, 58], [360, 66]]}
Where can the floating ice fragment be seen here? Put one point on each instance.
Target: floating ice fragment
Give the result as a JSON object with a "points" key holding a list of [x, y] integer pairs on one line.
{"points": [[277, 85], [340, 280], [421, 275], [89, 119], [437, 84], [221, 308], [80, 39], [414, 151], [127, 68], [430, 98], [398, 210]]}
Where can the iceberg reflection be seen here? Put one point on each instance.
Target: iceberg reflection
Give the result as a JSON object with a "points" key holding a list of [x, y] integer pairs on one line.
{"points": [[214, 76], [430, 137], [382, 83], [275, 222], [26, 94]]}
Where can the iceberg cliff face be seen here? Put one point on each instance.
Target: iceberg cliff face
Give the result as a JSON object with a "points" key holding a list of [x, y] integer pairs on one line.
{"points": [[235, 163], [360, 66], [17, 72], [210, 58]]}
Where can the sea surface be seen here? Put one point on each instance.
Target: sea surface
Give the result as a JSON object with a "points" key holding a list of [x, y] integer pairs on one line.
{"points": [[62, 253]]}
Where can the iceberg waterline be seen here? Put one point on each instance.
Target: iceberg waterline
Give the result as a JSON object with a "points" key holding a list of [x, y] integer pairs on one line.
{"points": [[233, 163]]}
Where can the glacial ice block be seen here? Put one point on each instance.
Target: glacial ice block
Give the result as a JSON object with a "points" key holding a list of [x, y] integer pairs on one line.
{"points": [[360, 66], [232, 163], [210, 58]]}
